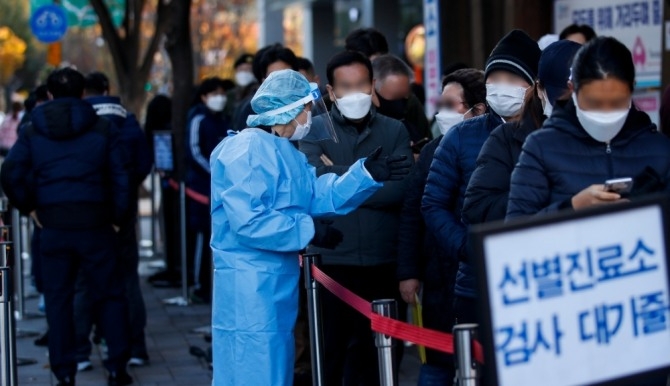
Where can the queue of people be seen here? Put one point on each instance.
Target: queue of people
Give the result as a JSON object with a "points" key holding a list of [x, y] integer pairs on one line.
{"points": [[280, 164]]}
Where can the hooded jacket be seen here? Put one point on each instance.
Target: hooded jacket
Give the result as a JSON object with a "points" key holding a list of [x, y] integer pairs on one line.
{"points": [[561, 159], [70, 166]]}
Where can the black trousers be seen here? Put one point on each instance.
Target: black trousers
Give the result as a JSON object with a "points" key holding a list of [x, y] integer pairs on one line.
{"points": [[350, 354], [93, 251]]}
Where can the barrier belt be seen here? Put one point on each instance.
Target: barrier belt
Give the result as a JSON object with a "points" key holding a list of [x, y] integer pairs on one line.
{"points": [[433, 339], [192, 194]]}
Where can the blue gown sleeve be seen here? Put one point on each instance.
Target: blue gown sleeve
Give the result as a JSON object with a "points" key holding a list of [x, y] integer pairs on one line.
{"points": [[339, 195]]}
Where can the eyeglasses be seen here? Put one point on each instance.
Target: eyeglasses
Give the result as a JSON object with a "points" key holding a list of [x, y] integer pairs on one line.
{"points": [[451, 105]]}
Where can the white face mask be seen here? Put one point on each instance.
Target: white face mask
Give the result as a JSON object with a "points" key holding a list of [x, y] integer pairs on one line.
{"points": [[506, 100], [601, 125], [302, 129], [447, 118], [216, 103], [546, 105], [244, 78], [355, 105]]}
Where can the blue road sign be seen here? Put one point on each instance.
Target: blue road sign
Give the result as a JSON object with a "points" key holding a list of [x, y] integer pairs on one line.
{"points": [[49, 23]]}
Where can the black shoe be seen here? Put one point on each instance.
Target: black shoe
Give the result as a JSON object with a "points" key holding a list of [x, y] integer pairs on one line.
{"points": [[43, 341], [302, 379], [165, 278], [68, 381], [119, 379]]}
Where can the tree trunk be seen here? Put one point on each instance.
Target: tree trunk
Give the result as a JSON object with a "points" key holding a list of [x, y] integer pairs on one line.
{"points": [[180, 50], [132, 93], [133, 66]]}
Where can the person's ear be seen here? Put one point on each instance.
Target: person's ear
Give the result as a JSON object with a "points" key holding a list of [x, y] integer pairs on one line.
{"points": [[375, 99], [480, 109], [331, 93], [50, 96]]}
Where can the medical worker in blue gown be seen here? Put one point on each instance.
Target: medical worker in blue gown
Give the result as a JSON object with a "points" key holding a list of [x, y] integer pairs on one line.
{"points": [[264, 198]]}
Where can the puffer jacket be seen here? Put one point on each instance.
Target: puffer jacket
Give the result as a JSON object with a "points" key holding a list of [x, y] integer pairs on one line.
{"points": [[453, 164], [488, 190], [70, 166], [561, 159]]}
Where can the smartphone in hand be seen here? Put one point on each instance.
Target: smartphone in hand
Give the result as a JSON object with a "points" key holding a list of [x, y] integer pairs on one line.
{"points": [[619, 185]]}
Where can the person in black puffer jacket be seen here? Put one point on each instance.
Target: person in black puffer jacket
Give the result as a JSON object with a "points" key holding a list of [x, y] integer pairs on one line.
{"points": [[420, 259], [488, 191], [70, 171], [596, 135]]}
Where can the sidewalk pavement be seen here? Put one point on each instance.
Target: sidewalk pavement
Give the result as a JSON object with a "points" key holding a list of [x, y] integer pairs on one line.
{"points": [[169, 336]]}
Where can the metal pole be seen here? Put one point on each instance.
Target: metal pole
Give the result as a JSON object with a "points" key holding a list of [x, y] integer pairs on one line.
{"points": [[467, 372], [183, 299], [16, 237], [153, 212], [314, 316], [24, 253], [5, 327], [385, 344]]}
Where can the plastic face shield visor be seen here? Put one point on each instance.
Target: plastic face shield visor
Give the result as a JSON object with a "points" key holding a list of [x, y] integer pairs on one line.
{"points": [[322, 128]]}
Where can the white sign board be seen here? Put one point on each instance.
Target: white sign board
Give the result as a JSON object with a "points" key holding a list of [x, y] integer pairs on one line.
{"points": [[433, 70], [586, 290], [636, 23]]}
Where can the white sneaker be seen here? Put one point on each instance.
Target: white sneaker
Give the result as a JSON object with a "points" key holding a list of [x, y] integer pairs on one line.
{"points": [[137, 362], [84, 366]]}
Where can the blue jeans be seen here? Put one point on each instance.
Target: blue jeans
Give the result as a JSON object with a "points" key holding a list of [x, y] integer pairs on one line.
{"points": [[435, 376]]}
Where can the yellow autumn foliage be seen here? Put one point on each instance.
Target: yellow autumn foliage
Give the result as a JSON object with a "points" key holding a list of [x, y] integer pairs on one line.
{"points": [[12, 53]]}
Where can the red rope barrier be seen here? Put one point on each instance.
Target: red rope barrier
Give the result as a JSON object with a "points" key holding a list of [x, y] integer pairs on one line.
{"points": [[436, 340], [192, 194]]}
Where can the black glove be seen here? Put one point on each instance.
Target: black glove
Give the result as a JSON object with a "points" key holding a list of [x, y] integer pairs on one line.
{"points": [[325, 236], [393, 167]]}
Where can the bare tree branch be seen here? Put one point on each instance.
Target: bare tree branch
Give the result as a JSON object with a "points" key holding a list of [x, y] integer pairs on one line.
{"points": [[162, 21], [111, 36]]}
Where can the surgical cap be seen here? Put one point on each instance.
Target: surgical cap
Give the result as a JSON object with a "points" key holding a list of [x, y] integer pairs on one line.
{"points": [[280, 88]]}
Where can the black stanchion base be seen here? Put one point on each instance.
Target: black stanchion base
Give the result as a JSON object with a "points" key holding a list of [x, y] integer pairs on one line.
{"points": [[26, 333], [25, 361], [31, 315]]}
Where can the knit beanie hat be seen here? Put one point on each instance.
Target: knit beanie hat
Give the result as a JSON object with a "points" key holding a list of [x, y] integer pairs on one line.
{"points": [[516, 53]]}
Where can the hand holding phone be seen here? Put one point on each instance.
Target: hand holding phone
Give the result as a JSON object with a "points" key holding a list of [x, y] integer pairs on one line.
{"points": [[619, 185]]}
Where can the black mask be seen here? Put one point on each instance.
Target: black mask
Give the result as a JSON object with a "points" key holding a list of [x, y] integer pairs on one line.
{"points": [[393, 109]]}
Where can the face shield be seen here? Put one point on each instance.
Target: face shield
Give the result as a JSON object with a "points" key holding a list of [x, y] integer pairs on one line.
{"points": [[322, 126]]}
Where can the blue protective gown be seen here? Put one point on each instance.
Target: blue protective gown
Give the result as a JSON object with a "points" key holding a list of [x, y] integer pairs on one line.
{"points": [[264, 195]]}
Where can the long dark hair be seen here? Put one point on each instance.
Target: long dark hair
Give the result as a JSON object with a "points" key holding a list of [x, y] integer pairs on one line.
{"points": [[602, 58], [532, 110]]}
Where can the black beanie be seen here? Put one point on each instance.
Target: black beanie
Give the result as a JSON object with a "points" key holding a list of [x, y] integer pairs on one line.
{"points": [[516, 53], [244, 58]]}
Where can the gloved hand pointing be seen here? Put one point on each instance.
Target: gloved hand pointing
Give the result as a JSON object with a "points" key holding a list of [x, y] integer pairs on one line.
{"points": [[390, 168]]}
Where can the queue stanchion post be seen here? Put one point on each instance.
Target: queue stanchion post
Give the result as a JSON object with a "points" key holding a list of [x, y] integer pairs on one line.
{"points": [[154, 214], [314, 318], [467, 370], [388, 374], [22, 253], [7, 340], [19, 278], [5, 261], [183, 299]]}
